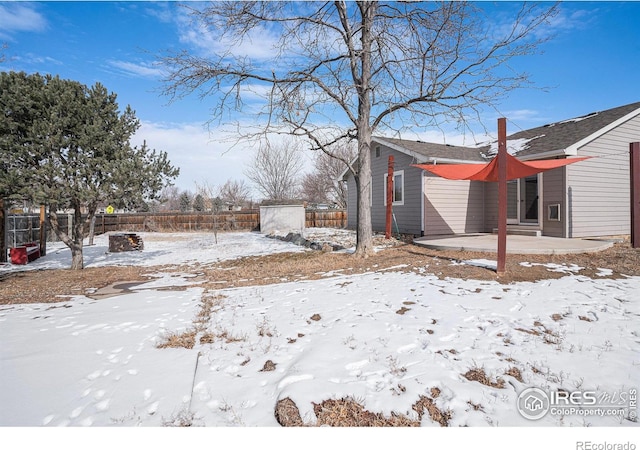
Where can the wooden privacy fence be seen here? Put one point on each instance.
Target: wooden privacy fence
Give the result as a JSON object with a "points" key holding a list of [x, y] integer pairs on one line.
{"points": [[223, 221]]}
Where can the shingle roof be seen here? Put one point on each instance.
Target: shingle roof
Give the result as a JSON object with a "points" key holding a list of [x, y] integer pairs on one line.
{"points": [[552, 137], [432, 150], [563, 134]]}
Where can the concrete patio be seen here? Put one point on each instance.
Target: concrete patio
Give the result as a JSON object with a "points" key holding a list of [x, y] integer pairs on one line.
{"points": [[516, 244]]}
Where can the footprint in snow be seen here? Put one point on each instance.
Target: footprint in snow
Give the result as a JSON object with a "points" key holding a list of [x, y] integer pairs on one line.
{"points": [[153, 408], [103, 405], [75, 413], [99, 394], [47, 420], [406, 348], [93, 375]]}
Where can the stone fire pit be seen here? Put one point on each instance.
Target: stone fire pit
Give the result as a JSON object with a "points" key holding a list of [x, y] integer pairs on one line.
{"points": [[125, 242]]}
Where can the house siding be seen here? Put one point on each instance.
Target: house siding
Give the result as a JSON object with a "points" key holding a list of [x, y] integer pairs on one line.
{"points": [[598, 189], [407, 215], [352, 202], [452, 206], [490, 207]]}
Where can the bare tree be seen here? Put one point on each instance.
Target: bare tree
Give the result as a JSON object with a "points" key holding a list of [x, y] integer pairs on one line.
{"points": [[315, 188], [235, 193], [341, 71], [323, 184], [211, 202], [275, 170], [169, 199]]}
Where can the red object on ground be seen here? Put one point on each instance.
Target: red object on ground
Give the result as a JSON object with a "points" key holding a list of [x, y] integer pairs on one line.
{"points": [[489, 172], [25, 253], [18, 255], [33, 251]]}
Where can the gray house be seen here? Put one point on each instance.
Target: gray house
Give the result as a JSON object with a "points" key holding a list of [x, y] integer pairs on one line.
{"points": [[587, 199]]}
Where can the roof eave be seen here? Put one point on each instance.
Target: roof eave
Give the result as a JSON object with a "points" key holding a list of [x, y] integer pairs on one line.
{"points": [[422, 159], [548, 154], [436, 160], [417, 156]]}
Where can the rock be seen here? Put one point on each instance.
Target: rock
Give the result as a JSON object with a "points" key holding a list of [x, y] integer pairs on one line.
{"points": [[327, 248]]}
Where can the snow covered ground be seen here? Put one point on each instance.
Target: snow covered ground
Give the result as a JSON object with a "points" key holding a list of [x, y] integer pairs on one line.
{"points": [[383, 338]]}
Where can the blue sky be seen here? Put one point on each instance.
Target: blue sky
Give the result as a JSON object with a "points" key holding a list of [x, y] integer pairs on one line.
{"points": [[592, 63]]}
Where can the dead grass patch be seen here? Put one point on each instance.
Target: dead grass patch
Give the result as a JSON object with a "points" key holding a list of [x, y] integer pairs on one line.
{"points": [[427, 404], [224, 336], [585, 318], [535, 370], [187, 339], [515, 373], [287, 413], [533, 332], [49, 286], [56, 285], [475, 406], [269, 366], [347, 412], [403, 310], [478, 374]]}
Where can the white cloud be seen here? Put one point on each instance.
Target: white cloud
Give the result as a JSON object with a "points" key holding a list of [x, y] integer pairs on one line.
{"points": [[18, 17], [161, 11], [145, 70], [259, 44], [30, 58], [192, 148], [205, 155]]}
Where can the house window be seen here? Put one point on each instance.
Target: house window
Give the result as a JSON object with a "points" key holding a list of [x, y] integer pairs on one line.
{"points": [[398, 188], [377, 151], [554, 212]]}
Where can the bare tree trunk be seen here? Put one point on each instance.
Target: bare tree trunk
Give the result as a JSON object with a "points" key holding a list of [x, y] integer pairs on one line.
{"points": [[91, 219], [364, 235], [77, 258], [74, 242], [364, 239]]}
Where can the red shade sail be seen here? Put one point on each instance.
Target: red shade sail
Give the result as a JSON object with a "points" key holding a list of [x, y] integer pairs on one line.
{"points": [[489, 172]]}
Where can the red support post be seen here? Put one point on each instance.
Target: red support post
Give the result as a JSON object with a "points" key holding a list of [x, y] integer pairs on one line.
{"points": [[389, 214], [634, 170], [502, 195]]}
